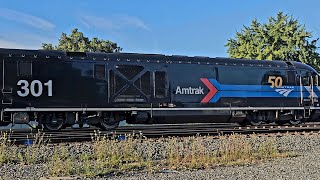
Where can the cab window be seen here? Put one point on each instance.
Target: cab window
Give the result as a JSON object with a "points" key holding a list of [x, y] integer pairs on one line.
{"points": [[24, 68], [315, 78], [305, 78]]}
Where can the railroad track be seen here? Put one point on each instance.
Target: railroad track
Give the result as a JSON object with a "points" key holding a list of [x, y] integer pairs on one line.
{"points": [[76, 135]]}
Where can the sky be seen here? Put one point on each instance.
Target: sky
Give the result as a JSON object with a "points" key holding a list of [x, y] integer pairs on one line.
{"points": [[171, 27]]}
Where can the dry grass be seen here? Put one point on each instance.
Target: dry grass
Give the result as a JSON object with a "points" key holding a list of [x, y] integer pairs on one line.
{"points": [[231, 150], [112, 155], [4, 143], [61, 163]]}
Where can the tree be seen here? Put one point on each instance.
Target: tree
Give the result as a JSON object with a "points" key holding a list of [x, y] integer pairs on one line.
{"points": [[76, 41], [282, 38]]}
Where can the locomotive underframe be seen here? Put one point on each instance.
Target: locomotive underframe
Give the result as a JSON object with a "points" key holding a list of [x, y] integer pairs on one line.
{"points": [[57, 118]]}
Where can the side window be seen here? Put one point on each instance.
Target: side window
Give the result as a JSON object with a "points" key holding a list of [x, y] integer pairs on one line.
{"points": [[316, 79], [24, 68], [291, 78], [160, 84], [83, 68], [305, 78], [99, 71]]}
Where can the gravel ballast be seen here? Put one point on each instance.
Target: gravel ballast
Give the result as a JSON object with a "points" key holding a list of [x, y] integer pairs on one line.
{"points": [[306, 165]]}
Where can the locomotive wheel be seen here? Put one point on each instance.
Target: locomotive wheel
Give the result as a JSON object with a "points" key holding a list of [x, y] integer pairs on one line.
{"points": [[54, 121], [295, 122], [109, 122], [255, 122]]}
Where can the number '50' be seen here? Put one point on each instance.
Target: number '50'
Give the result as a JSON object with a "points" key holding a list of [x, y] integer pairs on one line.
{"points": [[35, 88], [275, 81]]}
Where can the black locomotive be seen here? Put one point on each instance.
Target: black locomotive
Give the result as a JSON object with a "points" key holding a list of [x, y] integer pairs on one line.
{"points": [[57, 89]]}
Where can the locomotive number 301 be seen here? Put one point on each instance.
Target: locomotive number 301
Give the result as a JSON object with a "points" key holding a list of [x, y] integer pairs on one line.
{"points": [[35, 88]]}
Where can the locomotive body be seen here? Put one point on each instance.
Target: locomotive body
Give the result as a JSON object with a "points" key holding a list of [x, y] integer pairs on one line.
{"points": [[57, 89]]}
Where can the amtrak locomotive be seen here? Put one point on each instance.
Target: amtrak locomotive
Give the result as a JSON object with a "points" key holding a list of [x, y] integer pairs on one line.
{"points": [[55, 89]]}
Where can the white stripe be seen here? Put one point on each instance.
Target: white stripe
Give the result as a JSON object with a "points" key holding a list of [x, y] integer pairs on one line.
{"points": [[309, 90], [153, 109]]}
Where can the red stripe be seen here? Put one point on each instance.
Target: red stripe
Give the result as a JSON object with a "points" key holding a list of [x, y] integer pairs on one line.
{"points": [[212, 90]]}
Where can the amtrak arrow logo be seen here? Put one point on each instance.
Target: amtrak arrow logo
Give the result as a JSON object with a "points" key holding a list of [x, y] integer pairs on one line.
{"points": [[212, 90], [284, 92]]}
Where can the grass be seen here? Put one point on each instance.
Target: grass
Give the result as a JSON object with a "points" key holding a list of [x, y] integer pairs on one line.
{"points": [[4, 143], [110, 155], [61, 163]]}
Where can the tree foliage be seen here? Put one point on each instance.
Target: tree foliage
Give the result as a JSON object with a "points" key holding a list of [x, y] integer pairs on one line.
{"points": [[282, 38], [76, 41]]}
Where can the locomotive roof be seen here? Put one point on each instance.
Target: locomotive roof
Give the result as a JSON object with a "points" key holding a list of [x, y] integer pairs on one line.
{"points": [[158, 58]]}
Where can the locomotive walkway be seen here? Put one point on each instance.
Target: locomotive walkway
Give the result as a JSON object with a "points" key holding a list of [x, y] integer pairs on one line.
{"points": [[151, 131]]}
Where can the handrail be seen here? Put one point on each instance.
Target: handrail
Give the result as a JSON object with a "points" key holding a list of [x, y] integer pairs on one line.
{"points": [[312, 95], [301, 94]]}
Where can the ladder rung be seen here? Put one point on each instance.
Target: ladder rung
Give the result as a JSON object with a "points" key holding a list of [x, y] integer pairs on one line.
{"points": [[7, 103], [4, 91]]}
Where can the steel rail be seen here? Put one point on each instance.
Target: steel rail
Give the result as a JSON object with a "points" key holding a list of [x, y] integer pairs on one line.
{"points": [[72, 135]]}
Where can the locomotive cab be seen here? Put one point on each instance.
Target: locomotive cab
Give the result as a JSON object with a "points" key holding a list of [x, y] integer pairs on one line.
{"points": [[305, 87]]}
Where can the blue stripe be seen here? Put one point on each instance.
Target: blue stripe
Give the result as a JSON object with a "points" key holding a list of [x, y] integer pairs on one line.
{"points": [[250, 91], [260, 94]]}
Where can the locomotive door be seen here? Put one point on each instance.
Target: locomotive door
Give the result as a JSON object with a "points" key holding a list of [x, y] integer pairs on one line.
{"points": [[9, 72], [307, 81], [308, 98], [12, 71]]}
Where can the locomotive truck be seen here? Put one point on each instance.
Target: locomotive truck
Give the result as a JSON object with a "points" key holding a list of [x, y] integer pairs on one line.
{"points": [[57, 89]]}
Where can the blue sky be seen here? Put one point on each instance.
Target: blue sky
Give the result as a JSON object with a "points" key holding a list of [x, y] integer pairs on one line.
{"points": [[193, 28]]}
